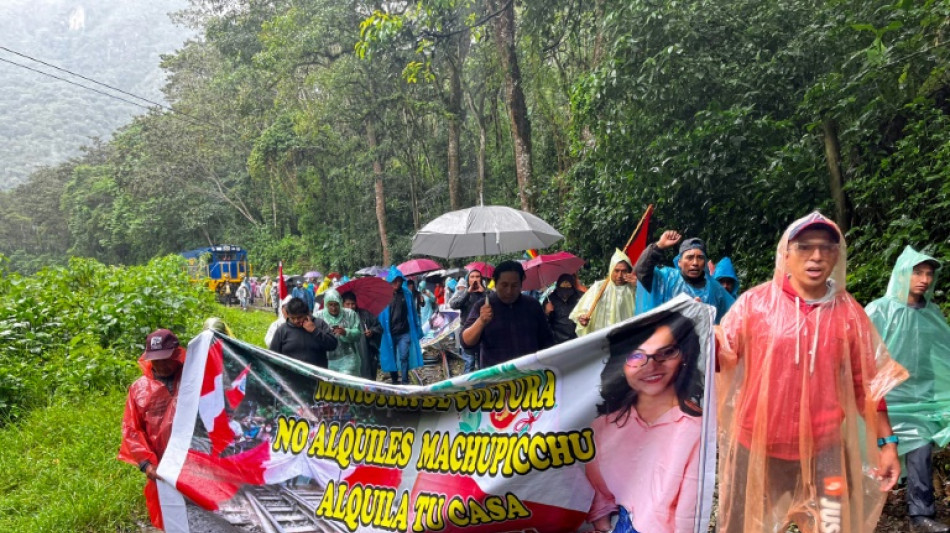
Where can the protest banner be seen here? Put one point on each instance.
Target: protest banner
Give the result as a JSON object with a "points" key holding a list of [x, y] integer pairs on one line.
{"points": [[543, 443]]}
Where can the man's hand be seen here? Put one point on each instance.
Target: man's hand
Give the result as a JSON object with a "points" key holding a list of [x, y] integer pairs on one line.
{"points": [[368, 333], [888, 467], [485, 315], [338, 331], [583, 320], [310, 325], [630, 278], [548, 307], [152, 473], [668, 239]]}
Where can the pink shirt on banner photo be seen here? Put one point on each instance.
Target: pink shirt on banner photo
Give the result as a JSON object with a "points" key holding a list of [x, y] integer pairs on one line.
{"points": [[651, 470]]}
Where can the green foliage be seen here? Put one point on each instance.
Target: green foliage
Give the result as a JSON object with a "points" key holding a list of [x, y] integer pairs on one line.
{"points": [[79, 328], [58, 470], [712, 111]]}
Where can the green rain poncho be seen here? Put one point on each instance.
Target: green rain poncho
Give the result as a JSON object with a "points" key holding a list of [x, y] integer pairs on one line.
{"points": [[346, 358], [918, 339]]}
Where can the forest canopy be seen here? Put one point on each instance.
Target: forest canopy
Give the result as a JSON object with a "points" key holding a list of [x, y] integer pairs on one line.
{"points": [[325, 132]]}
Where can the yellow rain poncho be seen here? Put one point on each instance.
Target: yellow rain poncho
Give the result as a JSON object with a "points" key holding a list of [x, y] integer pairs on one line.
{"points": [[800, 385], [616, 305], [918, 339]]}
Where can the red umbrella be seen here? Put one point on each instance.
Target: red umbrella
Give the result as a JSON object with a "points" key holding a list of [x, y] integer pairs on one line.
{"points": [[544, 270], [418, 266], [372, 293], [486, 269]]}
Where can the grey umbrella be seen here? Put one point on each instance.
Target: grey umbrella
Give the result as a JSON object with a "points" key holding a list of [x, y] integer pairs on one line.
{"points": [[483, 230]]}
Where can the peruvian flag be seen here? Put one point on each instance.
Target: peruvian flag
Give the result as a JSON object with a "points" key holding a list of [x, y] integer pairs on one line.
{"points": [[211, 403], [235, 392], [281, 284]]}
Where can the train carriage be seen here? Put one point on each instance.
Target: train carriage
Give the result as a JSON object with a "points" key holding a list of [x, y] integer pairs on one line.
{"points": [[221, 268]]}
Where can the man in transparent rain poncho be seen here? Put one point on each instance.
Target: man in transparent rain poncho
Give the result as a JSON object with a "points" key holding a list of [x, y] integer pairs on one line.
{"points": [[802, 379], [917, 336]]}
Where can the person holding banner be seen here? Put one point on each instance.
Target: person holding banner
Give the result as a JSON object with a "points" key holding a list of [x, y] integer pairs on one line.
{"points": [[509, 324], [615, 302], [652, 390], [803, 375], [150, 411], [659, 284]]}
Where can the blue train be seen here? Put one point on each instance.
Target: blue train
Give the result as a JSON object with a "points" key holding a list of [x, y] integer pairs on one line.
{"points": [[221, 268]]}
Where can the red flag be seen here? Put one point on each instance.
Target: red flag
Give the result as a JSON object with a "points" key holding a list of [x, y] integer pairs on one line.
{"points": [[208, 480], [638, 243], [235, 392], [281, 284]]}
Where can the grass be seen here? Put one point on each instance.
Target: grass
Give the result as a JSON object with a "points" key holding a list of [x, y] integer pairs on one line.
{"points": [[58, 466], [58, 470], [248, 326]]}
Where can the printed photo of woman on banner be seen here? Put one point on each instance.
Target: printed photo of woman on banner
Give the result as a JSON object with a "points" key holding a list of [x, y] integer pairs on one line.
{"points": [[652, 390], [608, 432]]}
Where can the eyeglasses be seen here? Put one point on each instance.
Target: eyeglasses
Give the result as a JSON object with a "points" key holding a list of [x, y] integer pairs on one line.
{"points": [[808, 248], [637, 358]]}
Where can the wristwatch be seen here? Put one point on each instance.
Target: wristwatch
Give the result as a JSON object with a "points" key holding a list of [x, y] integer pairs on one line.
{"points": [[887, 440]]}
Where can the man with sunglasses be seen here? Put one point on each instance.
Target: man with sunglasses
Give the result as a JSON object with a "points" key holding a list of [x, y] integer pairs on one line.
{"points": [[659, 284], [802, 378]]}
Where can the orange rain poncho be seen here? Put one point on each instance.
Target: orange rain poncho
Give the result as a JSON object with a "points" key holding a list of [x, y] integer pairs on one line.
{"points": [[799, 382], [147, 424]]}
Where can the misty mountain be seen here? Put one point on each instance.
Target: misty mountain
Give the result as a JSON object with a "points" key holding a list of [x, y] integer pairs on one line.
{"points": [[44, 121]]}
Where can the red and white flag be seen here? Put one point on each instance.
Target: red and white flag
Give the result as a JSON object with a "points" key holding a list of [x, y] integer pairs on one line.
{"points": [[235, 392], [211, 403]]}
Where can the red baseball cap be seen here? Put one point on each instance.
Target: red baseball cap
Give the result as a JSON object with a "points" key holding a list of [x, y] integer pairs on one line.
{"points": [[160, 344]]}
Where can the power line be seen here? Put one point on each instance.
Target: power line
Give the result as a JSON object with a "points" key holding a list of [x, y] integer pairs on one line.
{"points": [[84, 77], [14, 63], [173, 112]]}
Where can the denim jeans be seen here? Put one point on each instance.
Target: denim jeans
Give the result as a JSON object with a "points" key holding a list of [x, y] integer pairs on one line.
{"points": [[471, 360], [624, 522], [401, 343]]}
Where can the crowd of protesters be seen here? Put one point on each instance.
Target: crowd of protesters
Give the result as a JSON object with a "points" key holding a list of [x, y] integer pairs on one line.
{"points": [[798, 363]]}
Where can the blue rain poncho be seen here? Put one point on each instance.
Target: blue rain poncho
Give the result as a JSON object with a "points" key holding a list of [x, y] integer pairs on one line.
{"points": [[346, 358], [918, 339], [428, 307], [387, 349], [616, 304], [667, 282], [724, 269]]}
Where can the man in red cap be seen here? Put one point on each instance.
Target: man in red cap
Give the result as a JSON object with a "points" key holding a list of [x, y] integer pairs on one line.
{"points": [[150, 410], [803, 374]]}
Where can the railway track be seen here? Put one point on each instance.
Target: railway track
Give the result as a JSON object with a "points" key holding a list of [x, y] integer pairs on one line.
{"points": [[278, 509]]}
